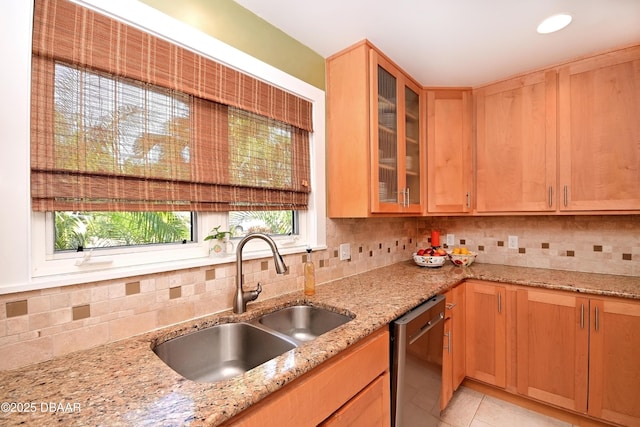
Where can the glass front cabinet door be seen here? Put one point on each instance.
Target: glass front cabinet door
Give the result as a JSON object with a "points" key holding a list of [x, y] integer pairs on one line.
{"points": [[396, 140]]}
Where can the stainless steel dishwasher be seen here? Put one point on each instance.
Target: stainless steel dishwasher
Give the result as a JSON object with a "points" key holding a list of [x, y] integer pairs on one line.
{"points": [[416, 365]]}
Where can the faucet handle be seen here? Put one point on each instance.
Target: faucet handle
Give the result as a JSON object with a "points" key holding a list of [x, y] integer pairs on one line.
{"points": [[250, 295]]}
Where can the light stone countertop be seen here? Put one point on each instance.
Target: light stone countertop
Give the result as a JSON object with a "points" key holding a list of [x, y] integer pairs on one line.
{"points": [[125, 383]]}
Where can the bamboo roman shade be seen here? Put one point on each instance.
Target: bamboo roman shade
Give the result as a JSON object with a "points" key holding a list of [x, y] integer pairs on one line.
{"points": [[124, 120]]}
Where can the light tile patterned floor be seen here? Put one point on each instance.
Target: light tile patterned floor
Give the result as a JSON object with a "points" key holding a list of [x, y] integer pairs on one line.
{"points": [[470, 408]]}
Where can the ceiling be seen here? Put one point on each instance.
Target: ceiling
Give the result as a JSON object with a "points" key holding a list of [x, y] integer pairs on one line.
{"points": [[457, 42]]}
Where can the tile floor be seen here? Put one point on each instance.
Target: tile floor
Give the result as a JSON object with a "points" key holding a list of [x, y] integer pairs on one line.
{"points": [[470, 408]]}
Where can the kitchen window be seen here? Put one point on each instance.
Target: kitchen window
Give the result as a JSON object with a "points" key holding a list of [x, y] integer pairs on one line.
{"points": [[176, 151]]}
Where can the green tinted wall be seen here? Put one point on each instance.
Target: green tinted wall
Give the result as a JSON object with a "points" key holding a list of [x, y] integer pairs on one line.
{"points": [[236, 26]]}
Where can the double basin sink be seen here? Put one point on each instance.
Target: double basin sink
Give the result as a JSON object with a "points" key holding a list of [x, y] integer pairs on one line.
{"points": [[223, 351]]}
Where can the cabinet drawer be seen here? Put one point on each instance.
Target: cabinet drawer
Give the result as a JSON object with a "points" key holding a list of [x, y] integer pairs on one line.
{"points": [[368, 408]]}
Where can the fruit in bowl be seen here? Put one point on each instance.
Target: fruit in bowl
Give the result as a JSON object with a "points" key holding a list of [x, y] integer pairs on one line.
{"points": [[462, 257], [425, 258], [432, 252]]}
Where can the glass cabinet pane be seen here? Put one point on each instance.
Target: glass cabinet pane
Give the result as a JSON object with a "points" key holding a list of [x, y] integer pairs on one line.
{"points": [[387, 137], [412, 145]]}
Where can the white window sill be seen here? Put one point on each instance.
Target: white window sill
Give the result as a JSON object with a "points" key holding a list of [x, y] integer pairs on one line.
{"points": [[101, 271]]}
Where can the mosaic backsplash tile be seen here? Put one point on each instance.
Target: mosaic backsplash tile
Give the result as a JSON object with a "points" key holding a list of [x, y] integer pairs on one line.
{"points": [[38, 325]]}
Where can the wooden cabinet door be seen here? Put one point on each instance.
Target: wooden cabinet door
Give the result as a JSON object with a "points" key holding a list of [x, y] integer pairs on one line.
{"points": [[614, 366], [368, 408], [552, 347], [458, 338], [516, 144], [449, 150], [447, 363], [453, 360], [397, 148], [485, 330], [599, 131]]}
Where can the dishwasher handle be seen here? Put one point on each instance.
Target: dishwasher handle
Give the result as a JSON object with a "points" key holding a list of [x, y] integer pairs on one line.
{"points": [[426, 327]]}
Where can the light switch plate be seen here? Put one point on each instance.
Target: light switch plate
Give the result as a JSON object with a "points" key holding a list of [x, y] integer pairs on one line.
{"points": [[513, 242], [451, 239], [345, 252]]}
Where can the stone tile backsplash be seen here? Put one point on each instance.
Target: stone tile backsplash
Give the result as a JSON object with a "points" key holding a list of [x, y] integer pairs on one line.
{"points": [[594, 244], [38, 325]]}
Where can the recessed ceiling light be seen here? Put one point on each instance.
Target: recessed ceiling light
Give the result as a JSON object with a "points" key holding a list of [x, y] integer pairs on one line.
{"points": [[554, 23]]}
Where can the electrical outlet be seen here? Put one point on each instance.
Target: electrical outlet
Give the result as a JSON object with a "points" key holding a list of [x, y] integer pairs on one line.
{"points": [[451, 239], [345, 252], [513, 242]]}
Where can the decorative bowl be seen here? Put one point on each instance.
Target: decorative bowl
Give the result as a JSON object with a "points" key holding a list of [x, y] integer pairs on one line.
{"points": [[429, 261], [463, 260]]}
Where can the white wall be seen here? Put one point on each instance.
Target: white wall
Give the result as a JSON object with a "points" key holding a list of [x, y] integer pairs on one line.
{"points": [[15, 33]]}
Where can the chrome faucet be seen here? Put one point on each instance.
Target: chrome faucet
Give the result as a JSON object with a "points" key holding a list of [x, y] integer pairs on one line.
{"points": [[241, 298]]}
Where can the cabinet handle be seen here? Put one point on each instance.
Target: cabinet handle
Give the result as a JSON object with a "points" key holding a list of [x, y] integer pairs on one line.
{"points": [[566, 196], [581, 316], [406, 197], [468, 200], [451, 305], [550, 196], [448, 334], [597, 319], [499, 302]]}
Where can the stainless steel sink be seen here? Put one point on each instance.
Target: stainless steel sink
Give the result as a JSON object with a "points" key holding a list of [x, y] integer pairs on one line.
{"points": [[303, 322], [221, 351]]}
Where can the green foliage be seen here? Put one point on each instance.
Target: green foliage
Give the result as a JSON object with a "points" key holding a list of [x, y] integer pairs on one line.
{"points": [[217, 234], [270, 222], [69, 231], [107, 229]]}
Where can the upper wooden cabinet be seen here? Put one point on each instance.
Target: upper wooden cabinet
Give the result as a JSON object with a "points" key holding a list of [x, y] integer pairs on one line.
{"points": [[599, 132], [375, 136], [516, 144], [449, 150]]}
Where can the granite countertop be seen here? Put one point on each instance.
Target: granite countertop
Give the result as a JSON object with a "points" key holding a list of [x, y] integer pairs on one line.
{"points": [[125, 383]]}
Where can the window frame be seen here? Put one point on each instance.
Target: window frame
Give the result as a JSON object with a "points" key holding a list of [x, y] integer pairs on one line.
{"points": [[38, 270]]}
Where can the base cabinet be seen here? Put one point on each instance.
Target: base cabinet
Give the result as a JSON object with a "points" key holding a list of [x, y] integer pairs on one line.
{"points": [[351, 388], [486, 330], [552, 343], [614, 360], [580, 353], [453, 360]]}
